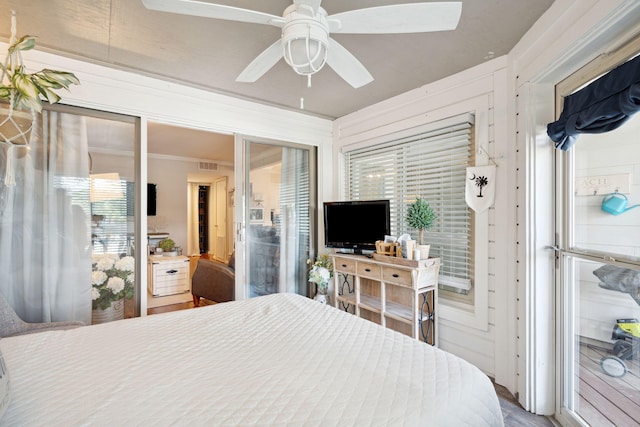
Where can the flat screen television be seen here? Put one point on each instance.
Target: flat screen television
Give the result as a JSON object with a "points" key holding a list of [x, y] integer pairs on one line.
{"points": [[356, 224]]}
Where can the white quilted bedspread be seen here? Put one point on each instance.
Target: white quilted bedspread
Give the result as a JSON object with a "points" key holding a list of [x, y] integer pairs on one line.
{"points": [[275, 360]]}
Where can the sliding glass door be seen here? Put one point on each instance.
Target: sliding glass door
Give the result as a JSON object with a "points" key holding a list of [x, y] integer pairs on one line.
{"points": [[67, 230], [599, 264], [274, 222]]}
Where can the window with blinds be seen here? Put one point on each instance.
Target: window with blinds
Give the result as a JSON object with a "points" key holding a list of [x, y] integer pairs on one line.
{"points": [[103, 197], [432, 165]]}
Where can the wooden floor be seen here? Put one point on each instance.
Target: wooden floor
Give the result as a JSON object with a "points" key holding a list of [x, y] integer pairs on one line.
{"points": [[514, 415], [175, 307], [605, 400]]}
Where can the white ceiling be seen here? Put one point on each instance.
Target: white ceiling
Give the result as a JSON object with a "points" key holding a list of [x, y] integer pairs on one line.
{"points": [[105, 135], [189, 143], [210, 53]]}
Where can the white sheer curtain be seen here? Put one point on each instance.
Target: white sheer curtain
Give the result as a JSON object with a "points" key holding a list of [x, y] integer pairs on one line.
{"points": [[44, 223], [193, 245]]}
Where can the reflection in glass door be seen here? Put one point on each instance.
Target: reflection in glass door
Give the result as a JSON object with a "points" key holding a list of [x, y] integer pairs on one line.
{"points": [[71, 209], [600, 287], [111, 206], [278, 236]]}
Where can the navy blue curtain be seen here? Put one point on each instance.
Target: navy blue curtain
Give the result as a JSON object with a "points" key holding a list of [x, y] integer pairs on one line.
{"points": [[603, 105]]}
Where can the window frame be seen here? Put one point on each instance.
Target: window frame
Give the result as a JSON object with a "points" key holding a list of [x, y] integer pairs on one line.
{"points": [[431, 165], [472, 316]]}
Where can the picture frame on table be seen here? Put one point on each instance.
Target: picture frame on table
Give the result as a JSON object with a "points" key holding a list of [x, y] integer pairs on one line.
{"points": [[256, 215]]}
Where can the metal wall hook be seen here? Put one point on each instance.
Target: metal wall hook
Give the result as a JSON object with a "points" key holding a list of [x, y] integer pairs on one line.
{"points": [[481, 150]]}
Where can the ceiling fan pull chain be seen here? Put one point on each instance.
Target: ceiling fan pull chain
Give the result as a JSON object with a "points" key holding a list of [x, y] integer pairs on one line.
{"points": [[308, 80]]}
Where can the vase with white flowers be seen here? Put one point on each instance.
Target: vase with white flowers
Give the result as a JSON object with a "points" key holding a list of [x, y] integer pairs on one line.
{"points": [[321, 273], [112, 280]]}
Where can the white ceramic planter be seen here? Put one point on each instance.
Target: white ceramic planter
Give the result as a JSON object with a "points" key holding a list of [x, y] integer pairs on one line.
{"points": [[424, 251]]}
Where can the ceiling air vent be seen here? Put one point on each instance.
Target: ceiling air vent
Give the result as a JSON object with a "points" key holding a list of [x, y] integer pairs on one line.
{"points": [[207, 166]]}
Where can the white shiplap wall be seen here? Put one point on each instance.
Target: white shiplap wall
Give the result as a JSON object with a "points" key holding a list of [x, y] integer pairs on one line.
{"points": [[468, 332], [518, 345]]}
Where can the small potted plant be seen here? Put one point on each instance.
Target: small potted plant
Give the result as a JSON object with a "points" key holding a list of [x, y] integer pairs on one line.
{"points": [[23, 92], [167, 246], [420, 216]]}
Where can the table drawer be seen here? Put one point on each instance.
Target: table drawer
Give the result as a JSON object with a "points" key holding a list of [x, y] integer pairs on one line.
{"points": [[169, 277], [366, 269], [398, 276], [345, 265]]}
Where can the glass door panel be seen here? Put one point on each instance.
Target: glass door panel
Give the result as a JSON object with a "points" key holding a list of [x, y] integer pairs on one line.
{"points": [[112, 212], [70, 207], [602, 342], [600, 289], [278, 234]]}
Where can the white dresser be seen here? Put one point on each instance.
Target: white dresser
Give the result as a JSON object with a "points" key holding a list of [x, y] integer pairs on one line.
{"points": [[168, 275]]}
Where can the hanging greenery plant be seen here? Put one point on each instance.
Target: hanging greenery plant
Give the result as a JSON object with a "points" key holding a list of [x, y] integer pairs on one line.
{"points": [[420, 216], [25, 91], [21, 96]]}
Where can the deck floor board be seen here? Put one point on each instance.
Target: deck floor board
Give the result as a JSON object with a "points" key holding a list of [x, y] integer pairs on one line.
{"points": [[604, 400]]}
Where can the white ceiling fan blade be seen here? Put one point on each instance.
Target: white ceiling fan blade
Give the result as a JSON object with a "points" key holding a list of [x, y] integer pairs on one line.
{"points": [[398, 19], [212, 10], [263, 63], [347, 66]]}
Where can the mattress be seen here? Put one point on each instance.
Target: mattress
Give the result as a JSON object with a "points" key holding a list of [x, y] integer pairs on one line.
{"points": [[275, 360]]}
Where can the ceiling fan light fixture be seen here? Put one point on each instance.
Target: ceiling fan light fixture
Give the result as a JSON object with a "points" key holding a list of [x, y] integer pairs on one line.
{"points": [[305, 42], [305, 55]]}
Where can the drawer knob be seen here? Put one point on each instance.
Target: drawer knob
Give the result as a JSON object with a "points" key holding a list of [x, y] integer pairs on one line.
{"points": [[344, 265], [172, 271], [367, 270], [396, 275]]}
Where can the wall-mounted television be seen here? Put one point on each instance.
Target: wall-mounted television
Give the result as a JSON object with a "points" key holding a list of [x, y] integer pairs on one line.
{"points": [[151, 199], [356, 224]]}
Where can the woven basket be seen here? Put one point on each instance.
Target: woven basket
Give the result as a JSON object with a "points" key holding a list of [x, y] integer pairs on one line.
{"points": [[389, 249], [15, 126]]}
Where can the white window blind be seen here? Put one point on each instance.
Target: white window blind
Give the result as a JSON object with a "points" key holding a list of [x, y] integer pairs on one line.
{"points": [[432, 165], [103, 198]]}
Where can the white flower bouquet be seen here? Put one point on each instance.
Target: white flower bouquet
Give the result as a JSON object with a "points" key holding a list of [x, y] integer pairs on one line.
{"points": [[112, 278], [321, 272]]}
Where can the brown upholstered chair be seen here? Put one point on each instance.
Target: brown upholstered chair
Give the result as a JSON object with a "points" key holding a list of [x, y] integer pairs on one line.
{"points": [[214, 281]]}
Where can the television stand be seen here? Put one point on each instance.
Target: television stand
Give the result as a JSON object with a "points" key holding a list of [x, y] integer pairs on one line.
{"points": [[393, 292]]}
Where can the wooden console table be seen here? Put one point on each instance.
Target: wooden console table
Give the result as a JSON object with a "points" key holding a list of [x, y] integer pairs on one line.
{"points": [[396, 293]]}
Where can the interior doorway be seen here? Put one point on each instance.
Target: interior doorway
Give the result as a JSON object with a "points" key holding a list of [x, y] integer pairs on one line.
{"points": [[208, 219], [190, 169]]}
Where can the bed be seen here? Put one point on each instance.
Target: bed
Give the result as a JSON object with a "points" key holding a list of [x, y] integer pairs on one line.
{"points": [[275, 360]]}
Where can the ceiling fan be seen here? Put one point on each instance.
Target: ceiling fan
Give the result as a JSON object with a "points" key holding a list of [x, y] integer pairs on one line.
{"points": [[305, 43]]}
